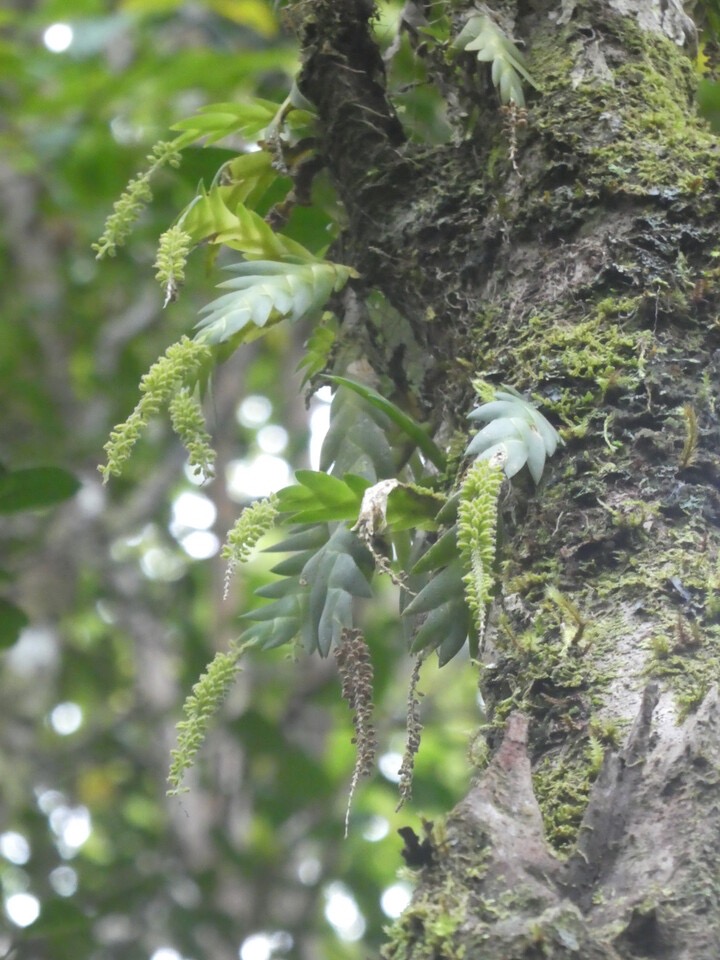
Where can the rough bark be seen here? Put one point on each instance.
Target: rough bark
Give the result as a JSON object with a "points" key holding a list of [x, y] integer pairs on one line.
{"points": [[588, 278]]}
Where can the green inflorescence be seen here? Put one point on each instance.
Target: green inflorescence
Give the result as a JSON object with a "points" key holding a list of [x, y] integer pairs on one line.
{"points": [[188, 422], [252, 524], [477, 527], [199, 709], [172, 254], [136, 196], [178, 368]]}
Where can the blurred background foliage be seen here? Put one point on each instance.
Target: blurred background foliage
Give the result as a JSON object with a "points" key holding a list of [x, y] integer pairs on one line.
{"points": [[112, 600]]}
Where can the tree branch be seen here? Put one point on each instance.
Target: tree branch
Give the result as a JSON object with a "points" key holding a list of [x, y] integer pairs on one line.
{"points": [[344, 76]]}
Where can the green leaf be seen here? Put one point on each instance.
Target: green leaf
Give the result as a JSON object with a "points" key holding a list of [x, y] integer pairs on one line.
{"points": [[280, 622], [448, 513], [455, 633], [279, 588], [273, 633], [266, 292], [511, 404], [443, 586], [442, 552], [335, 576], [219, 216], [317, 602], [357, 440], [516, 432], [218, 120], [318, 497], [414, 507], [252, 175], [292, 566], [312, 538], [446, 627], [417, 433], [35, 488], [12, 621], [483, 36]]}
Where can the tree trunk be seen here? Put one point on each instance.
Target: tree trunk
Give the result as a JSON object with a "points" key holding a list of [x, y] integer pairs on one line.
{"points": [[579, 267]]}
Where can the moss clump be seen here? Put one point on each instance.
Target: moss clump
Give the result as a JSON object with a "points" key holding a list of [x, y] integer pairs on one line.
{"points": [[603, 352], [426, 930], [634, 133], [562, 788], [687, 661]]}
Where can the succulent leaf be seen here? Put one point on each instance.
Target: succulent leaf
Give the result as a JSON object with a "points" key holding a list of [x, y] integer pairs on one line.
{"points": [[265, 292], [515, 434], [482, 36]]}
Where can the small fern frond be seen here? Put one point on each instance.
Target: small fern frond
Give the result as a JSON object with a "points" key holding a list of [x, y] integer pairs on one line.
{"points": [[180, 367], [266, 292], [199, 709], [252, 524], [483, 36], [477, 534], [356, 676]]}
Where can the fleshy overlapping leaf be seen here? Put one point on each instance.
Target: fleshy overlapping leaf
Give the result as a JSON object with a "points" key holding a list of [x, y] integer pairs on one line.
{"points": [[447, 622], [219, 216], [265, 292], [318, 497], [483, 36], [315, 599], [516, 432], [218, 120], [251, 175], [370, 436], [357, 440], [411, 428]]}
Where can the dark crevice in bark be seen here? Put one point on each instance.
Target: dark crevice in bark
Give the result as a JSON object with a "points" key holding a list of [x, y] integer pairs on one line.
{"points": [[343, 75]]}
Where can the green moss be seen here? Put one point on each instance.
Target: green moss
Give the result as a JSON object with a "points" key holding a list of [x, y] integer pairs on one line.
{"points": [[600, 354], [425, 931], [655, 137], [688, 662], [562, 788]]}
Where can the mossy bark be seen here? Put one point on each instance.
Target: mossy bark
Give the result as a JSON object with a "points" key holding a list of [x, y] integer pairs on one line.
{"points": [[588, 277]]}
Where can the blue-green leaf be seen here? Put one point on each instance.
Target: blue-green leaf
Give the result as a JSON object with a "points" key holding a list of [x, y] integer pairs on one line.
{"points": [[266, 292], [515, 432], [444, 586], [411, 428]]}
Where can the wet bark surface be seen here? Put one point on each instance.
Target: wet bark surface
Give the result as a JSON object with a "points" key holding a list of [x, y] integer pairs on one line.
{"points": [[588, 278]]}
